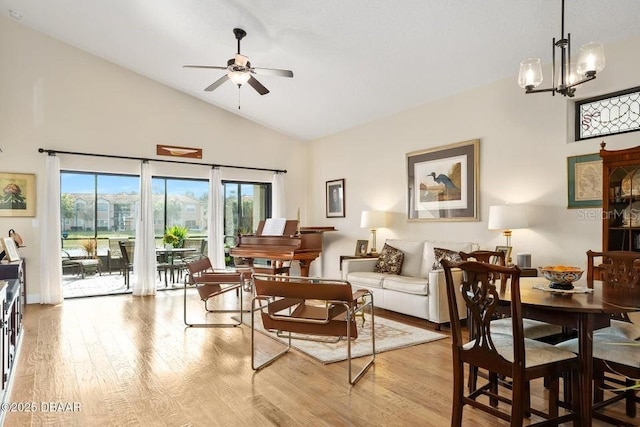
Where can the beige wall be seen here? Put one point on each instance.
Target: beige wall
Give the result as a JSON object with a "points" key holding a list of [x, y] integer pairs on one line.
{"points": [[524, 145], [55, 96]]}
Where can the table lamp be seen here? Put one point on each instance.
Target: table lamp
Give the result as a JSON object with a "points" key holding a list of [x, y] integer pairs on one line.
{"points": [[373, 220], [507, 218]]}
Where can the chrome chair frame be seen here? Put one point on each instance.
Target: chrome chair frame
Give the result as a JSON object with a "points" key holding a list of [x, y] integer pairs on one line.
{"points": [[198, 272]]}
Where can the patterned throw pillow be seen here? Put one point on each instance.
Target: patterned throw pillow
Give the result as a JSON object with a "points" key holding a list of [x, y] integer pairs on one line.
{"points": [[447, 254], [389, 261]]}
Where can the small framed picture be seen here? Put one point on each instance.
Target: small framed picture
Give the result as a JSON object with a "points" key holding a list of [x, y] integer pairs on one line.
{"points": [[361, 247], [335, 198], [507, 253]]}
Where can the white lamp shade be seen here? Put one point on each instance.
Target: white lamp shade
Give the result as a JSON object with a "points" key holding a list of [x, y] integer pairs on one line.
{"points": [[507, 217], [373, 219], [530, 73]]}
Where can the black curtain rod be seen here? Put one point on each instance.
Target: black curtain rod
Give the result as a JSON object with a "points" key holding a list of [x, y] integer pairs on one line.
{"points": [[112, 156]]}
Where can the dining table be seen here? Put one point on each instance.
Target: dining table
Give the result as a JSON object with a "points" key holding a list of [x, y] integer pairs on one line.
{"points": [[584, 312], [168, 255]]}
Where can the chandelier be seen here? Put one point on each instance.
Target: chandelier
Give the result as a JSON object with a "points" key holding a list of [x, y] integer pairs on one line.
{"points": [[569, 75]]}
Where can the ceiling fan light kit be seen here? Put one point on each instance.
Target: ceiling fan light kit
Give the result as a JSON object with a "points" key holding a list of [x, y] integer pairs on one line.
{"points": [[240, 71], [590, 61]]}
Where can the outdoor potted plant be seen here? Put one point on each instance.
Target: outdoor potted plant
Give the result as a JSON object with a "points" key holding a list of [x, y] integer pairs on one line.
{"points": [[174, 236], [89, 246]]}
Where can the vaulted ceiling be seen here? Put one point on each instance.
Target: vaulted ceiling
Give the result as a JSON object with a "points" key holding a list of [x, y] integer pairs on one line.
{"points": [[353, 61]]}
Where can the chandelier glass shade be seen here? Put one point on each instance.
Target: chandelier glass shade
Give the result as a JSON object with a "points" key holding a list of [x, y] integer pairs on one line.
{"points": [[569, 75]]}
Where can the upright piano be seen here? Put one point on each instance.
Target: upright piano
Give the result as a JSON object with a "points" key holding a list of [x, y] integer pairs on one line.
{"points": [[296, 244]]}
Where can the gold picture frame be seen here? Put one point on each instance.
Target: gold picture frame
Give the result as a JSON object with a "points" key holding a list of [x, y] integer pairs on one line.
{"points": [[17, 194], [442, 183]]}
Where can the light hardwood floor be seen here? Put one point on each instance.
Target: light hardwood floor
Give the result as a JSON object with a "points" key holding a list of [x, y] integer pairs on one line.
{"points": [[129, 361]]}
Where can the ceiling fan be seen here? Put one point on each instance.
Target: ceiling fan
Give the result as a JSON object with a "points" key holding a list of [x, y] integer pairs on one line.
{"points": [[239, 70]]}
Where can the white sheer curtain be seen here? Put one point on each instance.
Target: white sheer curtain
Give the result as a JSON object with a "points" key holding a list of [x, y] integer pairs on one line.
{"points": [[216, 226], [50, 251], [279, 209], [144, 258]]}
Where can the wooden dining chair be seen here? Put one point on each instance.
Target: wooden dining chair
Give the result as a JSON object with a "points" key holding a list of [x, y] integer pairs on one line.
{"points": [[533, 329], [616, 370], [616, 348], [490, 257], [510, 355], [304, 308], [617, 269]]}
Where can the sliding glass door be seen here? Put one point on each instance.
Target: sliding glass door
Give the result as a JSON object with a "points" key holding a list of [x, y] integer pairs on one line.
{"points": [[97, 206], [101, 209], [245, 205], [181, 202]]}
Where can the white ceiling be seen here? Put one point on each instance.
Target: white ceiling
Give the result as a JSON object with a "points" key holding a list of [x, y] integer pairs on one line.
{"points": [[353, 61]]}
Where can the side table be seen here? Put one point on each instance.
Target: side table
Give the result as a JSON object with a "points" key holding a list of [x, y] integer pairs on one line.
{"points": [[528, 272], [343, 257]]}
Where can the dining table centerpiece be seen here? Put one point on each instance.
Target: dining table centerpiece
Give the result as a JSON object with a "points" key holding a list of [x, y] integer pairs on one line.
{"points": [[561, 276]]}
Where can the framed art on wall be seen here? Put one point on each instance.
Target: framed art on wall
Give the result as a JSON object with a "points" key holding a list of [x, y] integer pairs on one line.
{"points": [[584, 181], [18, 194], [335, 198], [442, 183]]}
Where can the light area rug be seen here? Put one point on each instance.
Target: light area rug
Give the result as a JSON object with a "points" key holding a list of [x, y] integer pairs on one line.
{"points": [[390, 335]]}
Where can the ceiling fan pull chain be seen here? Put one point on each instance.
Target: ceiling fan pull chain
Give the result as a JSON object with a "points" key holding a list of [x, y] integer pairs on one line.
{"points": [[238, 97]]}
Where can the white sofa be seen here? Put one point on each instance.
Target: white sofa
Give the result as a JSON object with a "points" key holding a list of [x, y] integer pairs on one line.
{"points": [[418, 291]]}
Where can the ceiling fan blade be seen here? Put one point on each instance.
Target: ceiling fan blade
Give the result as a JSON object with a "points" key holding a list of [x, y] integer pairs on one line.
{"points": [[217, 83], [258, 86], [214, 67], [272, 72]]}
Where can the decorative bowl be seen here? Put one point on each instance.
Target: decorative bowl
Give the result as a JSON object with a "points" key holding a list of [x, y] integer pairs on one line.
{"points": [[561, 276]]}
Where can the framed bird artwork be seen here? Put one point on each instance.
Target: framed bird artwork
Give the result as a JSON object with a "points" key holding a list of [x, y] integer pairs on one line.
{"points": [[443, 183]]}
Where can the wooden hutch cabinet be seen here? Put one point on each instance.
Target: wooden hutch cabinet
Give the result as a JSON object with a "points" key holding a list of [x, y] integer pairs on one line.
{"points": [[620, 199]]}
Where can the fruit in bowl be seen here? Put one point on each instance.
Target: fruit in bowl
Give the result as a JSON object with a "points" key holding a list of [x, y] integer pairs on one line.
{"points": [[561, 276]]}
